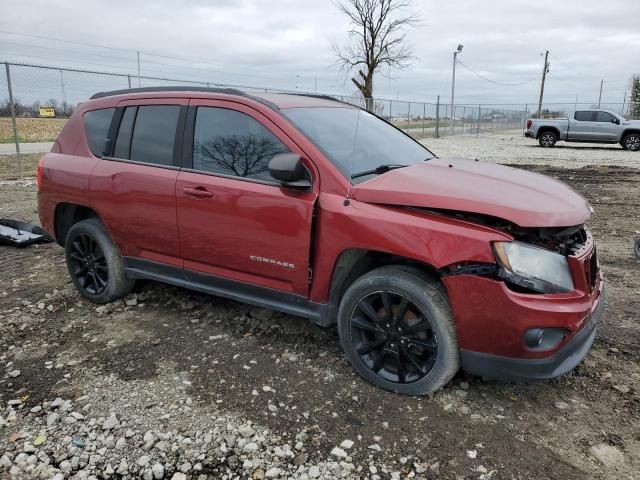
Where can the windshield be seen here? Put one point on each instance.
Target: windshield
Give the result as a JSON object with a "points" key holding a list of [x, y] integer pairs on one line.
{"points": [[356, 141]]}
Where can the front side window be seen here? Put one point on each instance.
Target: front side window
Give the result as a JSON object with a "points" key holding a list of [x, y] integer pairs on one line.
{"points": [[356, 141], [154, 134], [584, 116], [605, 117], [229, 142], [96, 126]]}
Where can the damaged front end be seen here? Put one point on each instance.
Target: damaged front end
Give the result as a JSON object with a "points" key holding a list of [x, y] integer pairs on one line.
{"points": [[537, 260], [544, 287]]}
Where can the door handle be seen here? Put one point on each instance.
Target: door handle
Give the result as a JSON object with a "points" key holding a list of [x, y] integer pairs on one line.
{"points": [[197, 192]]}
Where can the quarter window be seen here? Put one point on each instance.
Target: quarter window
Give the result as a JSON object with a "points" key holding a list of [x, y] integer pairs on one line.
{"points": [[229, 142], [584, 116], [96, 126], [154, 134]]}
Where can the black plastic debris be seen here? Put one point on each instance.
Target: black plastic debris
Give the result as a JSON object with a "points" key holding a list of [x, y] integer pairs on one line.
{"points": [[21, 234], [636, 247]]}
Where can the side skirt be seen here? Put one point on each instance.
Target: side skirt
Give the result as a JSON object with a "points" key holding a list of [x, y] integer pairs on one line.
{"points": [[223, 287]]}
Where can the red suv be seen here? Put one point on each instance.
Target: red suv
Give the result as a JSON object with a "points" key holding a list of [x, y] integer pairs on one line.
{"points": [[314, 207]]}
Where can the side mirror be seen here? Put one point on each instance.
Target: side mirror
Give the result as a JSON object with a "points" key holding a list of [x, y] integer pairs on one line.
{"points": [[289, 170], [616, 121]]}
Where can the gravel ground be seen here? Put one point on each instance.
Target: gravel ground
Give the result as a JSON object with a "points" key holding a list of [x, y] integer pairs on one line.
{"points": [[511, 147], [172, 384]]}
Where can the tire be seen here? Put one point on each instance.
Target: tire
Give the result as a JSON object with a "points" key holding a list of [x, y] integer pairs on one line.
{"points": [[547, 139], [412, 354], [95, 264], [631, 142]]}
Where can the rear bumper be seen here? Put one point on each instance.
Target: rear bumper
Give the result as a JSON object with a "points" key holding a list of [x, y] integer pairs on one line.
{"points": [[529, 134], [519, 369]]}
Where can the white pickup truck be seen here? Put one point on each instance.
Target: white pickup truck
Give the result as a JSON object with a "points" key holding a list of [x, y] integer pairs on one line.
{"points": [[590, 126]]}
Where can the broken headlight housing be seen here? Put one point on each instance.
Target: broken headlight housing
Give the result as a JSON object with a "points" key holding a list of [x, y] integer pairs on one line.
{"points": [[533, 268]]}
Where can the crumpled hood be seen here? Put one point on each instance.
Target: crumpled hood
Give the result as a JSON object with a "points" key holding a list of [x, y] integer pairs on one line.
{"points": [[524, 198]]}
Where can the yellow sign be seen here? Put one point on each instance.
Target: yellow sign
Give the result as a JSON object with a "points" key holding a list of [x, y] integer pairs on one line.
{"points": [[47, 112]]}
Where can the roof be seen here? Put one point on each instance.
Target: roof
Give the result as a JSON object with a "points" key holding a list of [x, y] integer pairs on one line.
{"points": [[273, 100]]}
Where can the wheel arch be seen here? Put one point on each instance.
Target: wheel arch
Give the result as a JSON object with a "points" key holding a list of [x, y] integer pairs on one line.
{"points": [[353, 263], [546, 129], [68, 214], [629, 131]]}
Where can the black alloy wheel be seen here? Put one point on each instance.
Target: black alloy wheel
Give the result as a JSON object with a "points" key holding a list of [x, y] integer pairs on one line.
{"points": [[632, 142], [88, 264], [393, 337], [548, 139]]}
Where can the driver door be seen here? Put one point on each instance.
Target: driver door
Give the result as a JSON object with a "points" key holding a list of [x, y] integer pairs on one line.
{"points": [[607, 127], [234, 220]]}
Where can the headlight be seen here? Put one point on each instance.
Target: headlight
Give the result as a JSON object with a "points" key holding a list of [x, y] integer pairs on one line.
{"points": [[533, 267]]}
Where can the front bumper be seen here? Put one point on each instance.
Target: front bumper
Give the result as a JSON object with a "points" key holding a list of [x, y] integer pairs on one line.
{"points": [[520, 369]]}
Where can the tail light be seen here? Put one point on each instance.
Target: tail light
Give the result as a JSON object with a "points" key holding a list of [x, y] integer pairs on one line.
{"points": [[39, 173], [529, 123]]}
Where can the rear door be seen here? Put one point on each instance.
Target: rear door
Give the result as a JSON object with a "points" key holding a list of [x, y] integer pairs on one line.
{"points": [[607, 128], [133, 186], [235, 220], [581, 126]]}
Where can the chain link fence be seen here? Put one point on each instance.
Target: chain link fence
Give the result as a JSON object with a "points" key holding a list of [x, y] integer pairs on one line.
{"points": [[36, 100]]}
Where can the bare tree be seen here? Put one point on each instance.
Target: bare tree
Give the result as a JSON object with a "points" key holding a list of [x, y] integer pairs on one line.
{"points": [[239, 155], [377, 37]]}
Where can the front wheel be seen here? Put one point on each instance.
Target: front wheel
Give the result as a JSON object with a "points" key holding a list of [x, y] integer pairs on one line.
{"points": [[94, 262], [547, 139], [631, 142], [397, 330]]}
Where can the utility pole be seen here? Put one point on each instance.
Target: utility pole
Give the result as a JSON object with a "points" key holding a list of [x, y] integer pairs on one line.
{"points": [[600, 97], [138, 52], [545, 70], [453, 87], [624, 101], [64, 94]]}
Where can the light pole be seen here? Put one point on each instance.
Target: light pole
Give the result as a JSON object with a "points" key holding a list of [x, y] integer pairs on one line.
{"points": [[453, 86]]}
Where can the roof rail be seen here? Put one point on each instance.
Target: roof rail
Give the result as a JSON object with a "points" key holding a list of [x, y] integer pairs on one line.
{"points": [[322, 97], [229, 91]]}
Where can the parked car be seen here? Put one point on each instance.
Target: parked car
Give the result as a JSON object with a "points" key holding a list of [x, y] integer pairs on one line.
{"points": [[592, 126], [319, 209]]}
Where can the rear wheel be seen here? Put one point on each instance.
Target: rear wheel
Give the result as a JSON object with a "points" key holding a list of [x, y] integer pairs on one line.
{"points": [[397, 330], [94, 262], [547, 139], [631, 142]]}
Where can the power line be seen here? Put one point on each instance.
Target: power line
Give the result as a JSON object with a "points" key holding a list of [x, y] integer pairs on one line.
{"points": [[75, 56], [42, 37], [498, 83], [250, 70]]}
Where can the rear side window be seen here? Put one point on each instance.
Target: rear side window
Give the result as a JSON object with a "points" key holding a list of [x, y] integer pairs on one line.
{"points": [[96, 126], [154, 134], [584, 116], [233, 143]]}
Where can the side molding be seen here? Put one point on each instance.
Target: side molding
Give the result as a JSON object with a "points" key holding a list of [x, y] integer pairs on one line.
{"points": [[223, 287]]}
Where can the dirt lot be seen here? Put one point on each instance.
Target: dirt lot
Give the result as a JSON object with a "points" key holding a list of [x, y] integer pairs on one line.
{"points": [[169, 382]]}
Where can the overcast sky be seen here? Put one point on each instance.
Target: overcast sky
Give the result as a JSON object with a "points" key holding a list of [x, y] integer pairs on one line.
{"points": [[287, 44]]}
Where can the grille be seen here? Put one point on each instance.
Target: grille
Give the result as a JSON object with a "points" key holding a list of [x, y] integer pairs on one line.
{"points": [[592, 275], [575, 241]]}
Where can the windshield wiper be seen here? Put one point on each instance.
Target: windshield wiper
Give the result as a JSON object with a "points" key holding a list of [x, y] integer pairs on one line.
{"points": [[378, 170]]}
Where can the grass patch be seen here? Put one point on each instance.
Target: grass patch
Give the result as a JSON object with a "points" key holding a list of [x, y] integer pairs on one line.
{"points": [[9, 166], [31, 129]]}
